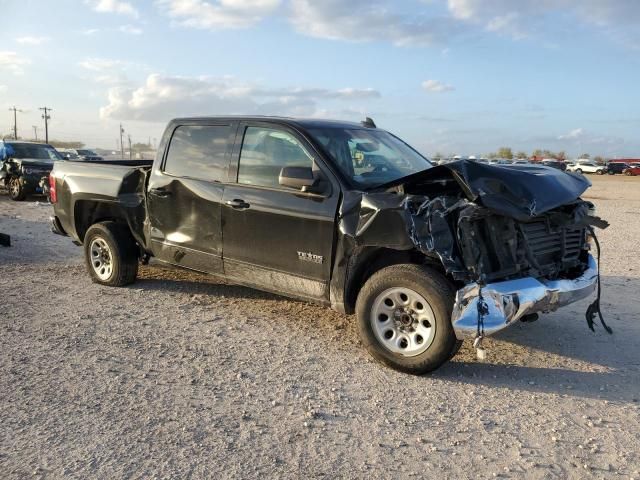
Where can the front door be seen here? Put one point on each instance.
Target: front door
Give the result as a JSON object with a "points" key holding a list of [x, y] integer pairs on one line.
{"points": [[278, 238], [185, 195]]}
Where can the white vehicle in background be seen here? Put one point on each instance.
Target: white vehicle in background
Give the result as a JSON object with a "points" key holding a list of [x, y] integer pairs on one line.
{"points": [[586, 166]]}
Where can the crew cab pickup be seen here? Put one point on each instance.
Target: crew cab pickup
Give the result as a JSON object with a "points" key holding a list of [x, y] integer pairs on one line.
{"points": [[343, 214]]}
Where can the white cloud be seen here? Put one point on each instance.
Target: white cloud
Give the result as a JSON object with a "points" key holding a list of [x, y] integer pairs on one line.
{"points": [[220, 14], [3, 88], [32, 40], [113, 6], [11, 62], [574, 134], [437, 86], [370, 20], [90, 31], [130, 29], [523, 17], [163, 97], [100, 64]]}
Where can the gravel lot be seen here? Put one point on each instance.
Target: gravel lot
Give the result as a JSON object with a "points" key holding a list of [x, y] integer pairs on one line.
{"points": [[182, 376]]}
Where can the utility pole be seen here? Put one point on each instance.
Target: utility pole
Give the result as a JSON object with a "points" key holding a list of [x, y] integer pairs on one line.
{"points": [[35, 132], [129, 136], [46, 117], [15, 121], [121, 142]]}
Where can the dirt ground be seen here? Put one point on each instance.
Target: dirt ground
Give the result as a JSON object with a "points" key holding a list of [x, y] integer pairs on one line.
{"points": [[180, 376]]}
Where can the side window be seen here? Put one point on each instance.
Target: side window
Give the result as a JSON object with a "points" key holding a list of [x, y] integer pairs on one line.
{"points": [[264, 152], [198, 151]]}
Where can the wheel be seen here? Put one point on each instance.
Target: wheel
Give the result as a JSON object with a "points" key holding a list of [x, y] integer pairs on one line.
{"points": [[600, 172], [579, 171], [111, 254], [404, 318], [16, 189], [628, 173]]}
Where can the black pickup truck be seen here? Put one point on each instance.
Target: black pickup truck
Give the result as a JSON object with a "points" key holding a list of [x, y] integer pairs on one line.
{"points": [[346, 215]]}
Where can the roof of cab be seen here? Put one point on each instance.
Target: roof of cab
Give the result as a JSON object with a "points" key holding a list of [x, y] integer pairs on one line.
{"points": [[297, 122]]}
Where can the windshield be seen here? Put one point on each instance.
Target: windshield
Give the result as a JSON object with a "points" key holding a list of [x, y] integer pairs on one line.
{"points": [[89, 153], [369, 157], [37, 152]]}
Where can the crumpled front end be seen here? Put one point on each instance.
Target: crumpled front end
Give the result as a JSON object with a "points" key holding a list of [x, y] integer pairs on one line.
{"points": [[503, 303]]}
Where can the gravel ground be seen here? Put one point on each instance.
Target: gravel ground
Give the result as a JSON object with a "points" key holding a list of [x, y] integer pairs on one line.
{"points": [[182, 376]]}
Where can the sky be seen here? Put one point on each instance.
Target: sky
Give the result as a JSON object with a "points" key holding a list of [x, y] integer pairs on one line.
{"points": [[449, 76]]}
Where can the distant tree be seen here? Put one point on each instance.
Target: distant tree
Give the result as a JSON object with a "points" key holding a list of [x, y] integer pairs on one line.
{"points": [[548, 154], [598, 159], [437, 156], [505, 152], [521, 155], [492, 155], [585, 155], [536, 153], [561, 155]]}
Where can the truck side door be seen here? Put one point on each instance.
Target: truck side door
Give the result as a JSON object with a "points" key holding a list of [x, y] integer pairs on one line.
{"points": [[185, 193], [278, 238]]}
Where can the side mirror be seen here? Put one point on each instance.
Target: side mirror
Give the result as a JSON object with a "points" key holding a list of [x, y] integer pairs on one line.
{"points": [[300, 178]]}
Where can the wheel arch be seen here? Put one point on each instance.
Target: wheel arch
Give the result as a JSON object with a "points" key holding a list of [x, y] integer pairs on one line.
{"points": [[90, 212], [369, 260]]}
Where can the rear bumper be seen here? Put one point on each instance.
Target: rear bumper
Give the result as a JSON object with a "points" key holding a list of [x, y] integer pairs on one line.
{"points": [[511, 300]]}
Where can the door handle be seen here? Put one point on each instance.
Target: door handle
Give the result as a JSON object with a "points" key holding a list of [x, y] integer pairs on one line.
{"points": [[237, 203], [160, 192]]}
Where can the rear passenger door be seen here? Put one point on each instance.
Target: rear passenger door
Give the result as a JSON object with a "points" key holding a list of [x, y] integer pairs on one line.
{"points": [[185, 195], [275, 237]]}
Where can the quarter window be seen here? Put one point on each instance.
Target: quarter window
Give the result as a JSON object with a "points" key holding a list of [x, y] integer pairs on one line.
{"points": [[198, 151], [265, 151]]}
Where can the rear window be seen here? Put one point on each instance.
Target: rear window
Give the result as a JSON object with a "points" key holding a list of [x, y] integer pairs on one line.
{"points": [[198, 151]]}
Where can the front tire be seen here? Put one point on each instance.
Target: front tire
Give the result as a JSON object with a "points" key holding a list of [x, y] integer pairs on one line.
{"points": [[111, 254], [16, 189], [600, 172], [579, 171], [404, 318]]}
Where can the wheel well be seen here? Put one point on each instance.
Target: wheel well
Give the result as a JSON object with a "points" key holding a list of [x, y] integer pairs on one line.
{"points": [[371, 259], [89, 212]]}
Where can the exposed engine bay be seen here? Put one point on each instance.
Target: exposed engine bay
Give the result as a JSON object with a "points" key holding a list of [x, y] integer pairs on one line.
{"points": [[514, 239]]}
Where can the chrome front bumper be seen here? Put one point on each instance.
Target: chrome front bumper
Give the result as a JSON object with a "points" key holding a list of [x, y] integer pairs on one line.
{"points": [[511, 300]]}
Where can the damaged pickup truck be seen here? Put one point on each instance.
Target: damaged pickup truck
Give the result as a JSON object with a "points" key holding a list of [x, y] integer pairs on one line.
{"points": [[346, 215]]}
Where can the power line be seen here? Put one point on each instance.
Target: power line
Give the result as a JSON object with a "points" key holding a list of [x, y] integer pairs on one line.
{"points": [[15, 120], [46, 117]]}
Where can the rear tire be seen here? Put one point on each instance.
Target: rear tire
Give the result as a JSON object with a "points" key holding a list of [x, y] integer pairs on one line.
{"points": [[404, 318], [579, 171], [16, 189], [600, 172], [111, 254]]}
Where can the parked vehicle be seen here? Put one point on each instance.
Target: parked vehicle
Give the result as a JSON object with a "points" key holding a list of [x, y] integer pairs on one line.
{"points": [[343, 214], [632, 170], [23, 164], [85, 155], [560, 165], [616, 168], [587, 166]]}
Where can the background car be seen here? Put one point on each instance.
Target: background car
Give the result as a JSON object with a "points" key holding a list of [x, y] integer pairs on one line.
{"points": [[616, 168], [587, 166], [81, 154], [23, 164], [560, 165], [632, 170]]}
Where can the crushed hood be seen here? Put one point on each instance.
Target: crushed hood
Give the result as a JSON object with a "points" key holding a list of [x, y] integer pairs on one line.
{"points": [[517, 191]]}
